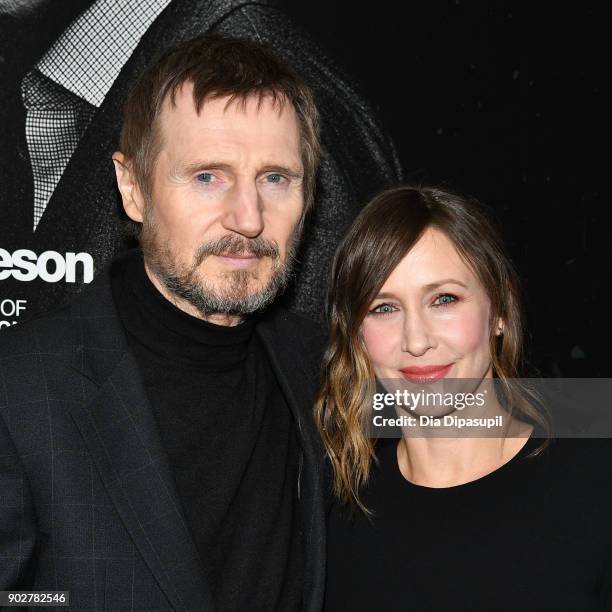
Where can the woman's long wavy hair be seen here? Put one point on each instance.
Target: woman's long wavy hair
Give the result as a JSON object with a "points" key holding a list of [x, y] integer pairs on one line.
{"points": [[380, 237]]}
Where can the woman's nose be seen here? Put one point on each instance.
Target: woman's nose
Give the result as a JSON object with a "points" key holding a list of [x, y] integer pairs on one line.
{"points": [[417, 337]]}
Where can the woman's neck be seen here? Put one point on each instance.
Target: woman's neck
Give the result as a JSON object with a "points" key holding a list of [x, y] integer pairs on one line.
{"points": [[448, 462]]}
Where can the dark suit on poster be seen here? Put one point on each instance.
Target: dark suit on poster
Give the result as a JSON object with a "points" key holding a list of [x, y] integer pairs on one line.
{"points": [[84, 212], [76, 425]]}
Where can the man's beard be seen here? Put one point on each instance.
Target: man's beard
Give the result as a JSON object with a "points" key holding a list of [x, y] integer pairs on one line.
{"points": [[233, 297]]}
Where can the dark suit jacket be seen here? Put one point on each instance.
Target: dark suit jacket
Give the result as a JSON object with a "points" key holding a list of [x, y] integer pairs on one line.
{"points": [[84, 212], [87, 500]]}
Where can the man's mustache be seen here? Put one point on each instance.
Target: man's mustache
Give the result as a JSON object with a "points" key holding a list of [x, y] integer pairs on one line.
{"points": [[238, 245]]}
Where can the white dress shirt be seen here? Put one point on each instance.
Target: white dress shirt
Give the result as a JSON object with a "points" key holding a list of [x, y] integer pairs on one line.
{"points": [[71, 81]]}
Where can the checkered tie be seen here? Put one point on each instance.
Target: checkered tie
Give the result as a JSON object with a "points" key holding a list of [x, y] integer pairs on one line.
{"points": [[55, 121]]}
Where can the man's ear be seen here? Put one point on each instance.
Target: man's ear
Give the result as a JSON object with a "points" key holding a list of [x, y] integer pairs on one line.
{"points": [[131, 195]]}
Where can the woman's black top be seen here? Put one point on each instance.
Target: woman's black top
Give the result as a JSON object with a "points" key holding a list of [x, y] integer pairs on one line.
{"points": [[535, 534]]}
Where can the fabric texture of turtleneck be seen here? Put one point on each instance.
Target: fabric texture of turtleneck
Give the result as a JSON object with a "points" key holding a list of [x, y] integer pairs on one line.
{"points": [[230, 440]]}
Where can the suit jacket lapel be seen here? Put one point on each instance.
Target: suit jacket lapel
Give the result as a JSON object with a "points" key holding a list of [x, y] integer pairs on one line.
{"points": [[118, 425], [283, 341]]}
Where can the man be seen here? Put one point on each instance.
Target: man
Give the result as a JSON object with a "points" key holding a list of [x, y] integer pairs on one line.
{"points": [[157, 446], [60, 120]]}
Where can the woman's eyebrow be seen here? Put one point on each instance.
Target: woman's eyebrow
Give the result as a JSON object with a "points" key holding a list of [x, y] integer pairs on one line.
{"points": [[385, 295], [445, 281], [428, 287]]}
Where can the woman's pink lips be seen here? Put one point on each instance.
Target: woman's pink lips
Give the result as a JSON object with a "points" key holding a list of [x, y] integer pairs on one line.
{"points": [[426, 374]]}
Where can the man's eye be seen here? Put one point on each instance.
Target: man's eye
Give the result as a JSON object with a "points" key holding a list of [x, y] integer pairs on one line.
{"points": [[275, 178], [205, 177]]}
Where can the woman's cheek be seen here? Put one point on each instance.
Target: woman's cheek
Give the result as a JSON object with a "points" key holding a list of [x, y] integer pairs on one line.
{"points": [[379, 342], [468, 332]]}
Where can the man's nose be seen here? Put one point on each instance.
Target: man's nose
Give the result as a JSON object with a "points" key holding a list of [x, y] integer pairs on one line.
{"points": [[417, 337], [244, 210]]}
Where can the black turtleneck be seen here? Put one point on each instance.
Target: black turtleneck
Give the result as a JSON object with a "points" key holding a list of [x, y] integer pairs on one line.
{"points": [[230, 441]]}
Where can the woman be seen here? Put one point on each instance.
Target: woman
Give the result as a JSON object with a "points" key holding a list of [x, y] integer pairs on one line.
{"points": [[423, 294]]}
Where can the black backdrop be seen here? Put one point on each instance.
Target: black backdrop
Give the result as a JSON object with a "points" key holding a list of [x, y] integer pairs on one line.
{"points": [[503, 100], [496, 99]]}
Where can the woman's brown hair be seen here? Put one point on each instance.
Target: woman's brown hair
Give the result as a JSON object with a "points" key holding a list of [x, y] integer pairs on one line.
{"points": [[381, 235]]}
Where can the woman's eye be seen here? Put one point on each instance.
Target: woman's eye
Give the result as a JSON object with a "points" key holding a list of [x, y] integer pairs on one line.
{"points": [[205, 177], [383, 309], [445, 299]]}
